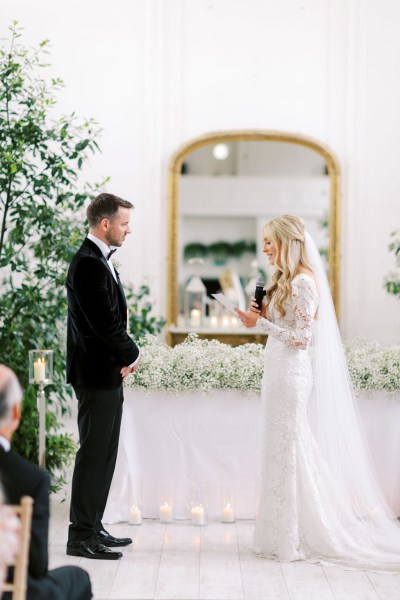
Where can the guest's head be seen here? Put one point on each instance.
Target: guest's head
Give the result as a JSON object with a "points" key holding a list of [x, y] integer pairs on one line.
{"points": [[10, 402], [108, 217], [284, 244]]}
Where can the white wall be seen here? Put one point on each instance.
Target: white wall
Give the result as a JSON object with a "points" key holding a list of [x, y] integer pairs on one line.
{"points": [[156, 73]]}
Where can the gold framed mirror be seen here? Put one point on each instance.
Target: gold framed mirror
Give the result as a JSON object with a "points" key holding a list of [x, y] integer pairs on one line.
{"points": [[267, 173]]}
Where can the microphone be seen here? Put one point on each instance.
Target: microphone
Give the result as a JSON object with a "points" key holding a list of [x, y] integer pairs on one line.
{"points": [[259, 293]]}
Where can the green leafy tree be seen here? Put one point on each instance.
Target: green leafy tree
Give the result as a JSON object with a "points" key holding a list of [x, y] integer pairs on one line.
{"points": [[141, 319], [41, 226]]}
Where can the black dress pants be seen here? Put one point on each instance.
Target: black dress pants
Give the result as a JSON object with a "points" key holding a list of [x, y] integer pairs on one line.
{"points": [[99, 423]]}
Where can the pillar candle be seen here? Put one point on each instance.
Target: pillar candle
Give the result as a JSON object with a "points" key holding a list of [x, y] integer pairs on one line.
{"points": [[198, 516], [135, 515], [166, 513], [226, 321], [228, 514], [39, 370], [195, 317]]}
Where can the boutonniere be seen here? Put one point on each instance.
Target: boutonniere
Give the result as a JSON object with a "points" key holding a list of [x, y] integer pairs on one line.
{"points": [[116, 266]]}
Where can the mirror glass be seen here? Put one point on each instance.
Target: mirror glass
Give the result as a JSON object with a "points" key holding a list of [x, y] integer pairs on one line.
{"points": [[227, 191]]}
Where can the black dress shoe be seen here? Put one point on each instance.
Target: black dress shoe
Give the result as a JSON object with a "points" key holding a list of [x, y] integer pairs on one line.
{"points": [[109, 540], [92, 548]]}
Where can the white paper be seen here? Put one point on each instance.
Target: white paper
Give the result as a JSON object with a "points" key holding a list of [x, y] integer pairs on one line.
{"points": [[225, 302]]}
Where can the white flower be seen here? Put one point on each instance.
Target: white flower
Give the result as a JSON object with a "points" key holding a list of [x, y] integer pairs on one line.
{"points": [[207, 365], [373, 367], [198, 365]]}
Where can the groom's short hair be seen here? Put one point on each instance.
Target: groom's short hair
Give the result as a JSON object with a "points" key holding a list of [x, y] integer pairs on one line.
{"points": [[104, 206]]}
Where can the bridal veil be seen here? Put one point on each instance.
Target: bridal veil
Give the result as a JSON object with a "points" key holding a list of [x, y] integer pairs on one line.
{"points": [[374, 535]]}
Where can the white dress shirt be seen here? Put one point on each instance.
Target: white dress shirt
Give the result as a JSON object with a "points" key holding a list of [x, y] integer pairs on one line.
{"points": [[105, 250], [5, 443]]}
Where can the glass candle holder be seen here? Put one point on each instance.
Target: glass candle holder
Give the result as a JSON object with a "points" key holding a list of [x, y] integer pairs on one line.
{"points": [[167, 502], [199, 506], [41, 367]]}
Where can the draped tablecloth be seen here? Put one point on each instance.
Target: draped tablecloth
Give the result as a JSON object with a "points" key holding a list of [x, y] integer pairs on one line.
{"points": [[213, 440]]}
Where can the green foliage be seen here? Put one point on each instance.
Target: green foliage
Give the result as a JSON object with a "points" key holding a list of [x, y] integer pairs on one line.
{"points": [[219, 251], [141, 321], [392, 280], [195, 250], [40, 227], [242, 246]]}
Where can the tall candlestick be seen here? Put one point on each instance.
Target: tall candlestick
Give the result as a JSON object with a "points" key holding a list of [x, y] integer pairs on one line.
{"points": [[127, 322]]}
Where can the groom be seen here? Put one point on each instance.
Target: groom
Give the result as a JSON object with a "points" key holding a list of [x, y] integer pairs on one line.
{"points": [[100, 354]]}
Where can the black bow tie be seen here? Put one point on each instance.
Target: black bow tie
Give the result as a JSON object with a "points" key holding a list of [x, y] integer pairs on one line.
{"points": [[111, 253]]}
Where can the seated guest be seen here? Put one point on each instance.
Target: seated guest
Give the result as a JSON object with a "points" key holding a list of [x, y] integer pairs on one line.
{"points": [[21, 478], [9, 540]]}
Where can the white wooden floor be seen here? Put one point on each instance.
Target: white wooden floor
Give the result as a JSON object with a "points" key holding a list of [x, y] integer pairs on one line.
{"points": [[179, 561]]}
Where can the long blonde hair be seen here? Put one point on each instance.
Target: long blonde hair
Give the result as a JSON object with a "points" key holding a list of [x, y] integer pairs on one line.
{"points": [[287, 233]]}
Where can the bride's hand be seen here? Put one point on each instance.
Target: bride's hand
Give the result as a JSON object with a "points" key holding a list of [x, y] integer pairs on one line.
{"points": [[254, 308], [249, 318]]}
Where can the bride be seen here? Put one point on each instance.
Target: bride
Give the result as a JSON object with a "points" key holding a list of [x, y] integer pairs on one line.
{"points": [[319, 499]]}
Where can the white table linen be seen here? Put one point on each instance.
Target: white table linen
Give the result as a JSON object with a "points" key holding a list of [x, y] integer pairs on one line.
{"points": [[214, 440]]}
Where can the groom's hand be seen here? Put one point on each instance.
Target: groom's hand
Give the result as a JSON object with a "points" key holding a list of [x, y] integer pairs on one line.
{"points": [[125, 371]]}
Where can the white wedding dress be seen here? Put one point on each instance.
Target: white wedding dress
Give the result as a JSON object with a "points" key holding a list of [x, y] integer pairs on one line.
{"points": [[308, 511]]}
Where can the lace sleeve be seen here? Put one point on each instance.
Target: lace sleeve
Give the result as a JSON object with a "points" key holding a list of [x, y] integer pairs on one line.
{"points": [[305, 300]]}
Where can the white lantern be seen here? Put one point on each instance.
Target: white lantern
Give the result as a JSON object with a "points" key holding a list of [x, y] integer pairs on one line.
{"points": [[195, 301]]}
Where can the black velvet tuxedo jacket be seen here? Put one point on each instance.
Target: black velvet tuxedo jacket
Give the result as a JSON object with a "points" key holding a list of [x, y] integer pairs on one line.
{"points": [[20, 478], [97, 342]]}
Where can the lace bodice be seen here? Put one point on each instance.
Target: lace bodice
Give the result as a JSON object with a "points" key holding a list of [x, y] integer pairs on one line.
{"points": [[295, 328]]}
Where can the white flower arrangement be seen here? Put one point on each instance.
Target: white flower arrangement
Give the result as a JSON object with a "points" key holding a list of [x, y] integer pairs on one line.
{"points": [[373, 367], [196, 364], [206, 365]]}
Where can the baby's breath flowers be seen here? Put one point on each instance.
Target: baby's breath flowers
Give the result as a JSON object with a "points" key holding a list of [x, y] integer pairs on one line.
{"points": [[198, 365], [373, 367], [206, 365]]}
